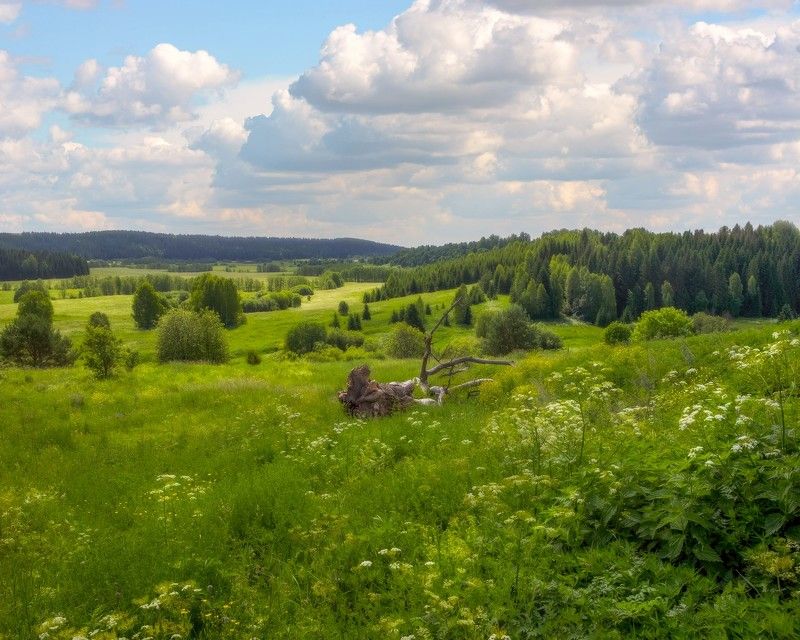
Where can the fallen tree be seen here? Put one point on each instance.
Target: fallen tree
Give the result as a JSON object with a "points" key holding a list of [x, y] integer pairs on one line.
{"points": [[365, 398]]}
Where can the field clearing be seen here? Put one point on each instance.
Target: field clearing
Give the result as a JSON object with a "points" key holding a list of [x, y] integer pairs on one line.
{"points": [[236, 501]]}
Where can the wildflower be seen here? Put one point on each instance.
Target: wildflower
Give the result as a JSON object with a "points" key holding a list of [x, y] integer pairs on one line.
{"points": [[365, 564]]}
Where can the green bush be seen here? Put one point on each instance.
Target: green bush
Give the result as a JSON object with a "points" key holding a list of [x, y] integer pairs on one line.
{"points": [[405, 341], [344, 339], [102, 350], [27, 286], [344, 308], [148, 306], [220, 295], [253, 358], [30, 339], [195, 336], [617, 333], [706, 323], [304, 336], [667, 322], [303, 290], [99, 319], [504, 331], [546, 339]]}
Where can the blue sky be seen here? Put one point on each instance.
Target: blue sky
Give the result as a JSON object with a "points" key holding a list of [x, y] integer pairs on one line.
{"points": [[460, 117]]}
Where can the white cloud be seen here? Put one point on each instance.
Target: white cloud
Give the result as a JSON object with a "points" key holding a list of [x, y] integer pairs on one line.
{"points": [[9, 11], [156, 90], [23, 99], [715, 87]]}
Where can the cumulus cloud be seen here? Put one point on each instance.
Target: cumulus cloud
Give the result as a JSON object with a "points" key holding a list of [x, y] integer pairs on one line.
{"points": [[714, 87], [9, 11], [23, 99], [155, 90]]}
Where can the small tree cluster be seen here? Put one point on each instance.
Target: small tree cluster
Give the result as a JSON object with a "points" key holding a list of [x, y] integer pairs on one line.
{"points": [[221, 296], [504, 331], [148, 305], [667, 322], [191, 336], [405, 341], [102, 350], [30, 339], [304, 336]]}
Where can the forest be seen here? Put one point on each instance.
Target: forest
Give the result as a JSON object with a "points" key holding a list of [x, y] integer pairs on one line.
{"points": [[599, 277], [21, 264]]}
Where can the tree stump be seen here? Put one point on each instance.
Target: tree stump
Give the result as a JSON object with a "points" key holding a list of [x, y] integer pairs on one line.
{"points": [[365, 398]]}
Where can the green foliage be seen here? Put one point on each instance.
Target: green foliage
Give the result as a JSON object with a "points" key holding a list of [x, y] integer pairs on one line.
{"points": [[99, 319], [705, 323], [194, 336], [272, 301], [667, 322], [304, 336], [30, 340], [253, 358], [343, 308], [786, 314], [148, 306], [330, 280], [343, 340], [303, 290], [462, 313], [102, 350], [405, 341], [354, 322], [219, 295], [366, 314], [617, 333], [504, 331], [27, 286]]}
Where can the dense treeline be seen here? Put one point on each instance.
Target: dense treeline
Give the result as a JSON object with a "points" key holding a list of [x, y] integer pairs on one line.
{"points": [[428, 254], [602, 276], [114, 245], [21, 264]]}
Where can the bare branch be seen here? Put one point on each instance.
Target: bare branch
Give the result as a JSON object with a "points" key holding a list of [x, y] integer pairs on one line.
{"points": [[471, 383], [457, 361]]}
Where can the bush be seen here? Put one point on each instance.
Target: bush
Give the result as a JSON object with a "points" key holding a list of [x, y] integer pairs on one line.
{"points": [[195, 336], [786, 314], [102, 350], [130, 358], [303, 337], [546, 339], [27, 286], [344, 339], [30, 339], [330, 280], [507, 330], [99, 319], [617, 333], [253, 358], [354, 322], [148, 306], [303, 290], [344, 308], [220, 295], [706, 323], [405, 342], [667, 322]]}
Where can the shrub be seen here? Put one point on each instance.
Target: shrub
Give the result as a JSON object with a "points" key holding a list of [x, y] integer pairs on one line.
{"points": [[303, 337], [354, 322], [220, 295], [253, 358], [504, 331], [366, 314], [667, 322], [27, 286], [546, 339], [191, 336], [102, 350], [617, 333], [99, 319], [330, 280], [786, 314], [30, 339], [405, 342], [344, 339], [344, 308], [303, 290], [130, 358], [706, 323], [148, 306]]}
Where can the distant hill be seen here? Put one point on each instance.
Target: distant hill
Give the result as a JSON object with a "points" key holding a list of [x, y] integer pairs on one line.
{"points": [[121, 245]]}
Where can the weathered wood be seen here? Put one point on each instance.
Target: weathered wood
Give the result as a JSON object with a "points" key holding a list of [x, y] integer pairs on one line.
{"points": [[365, 398]]}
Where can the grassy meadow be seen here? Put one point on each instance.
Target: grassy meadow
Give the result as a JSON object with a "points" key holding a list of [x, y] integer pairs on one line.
{"points": [[644, 491]]}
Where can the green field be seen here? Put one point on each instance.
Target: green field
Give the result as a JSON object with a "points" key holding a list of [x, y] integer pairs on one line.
{"points": [[594, 492]]}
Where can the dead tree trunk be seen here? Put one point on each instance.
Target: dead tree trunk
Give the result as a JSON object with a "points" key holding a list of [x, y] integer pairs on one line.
{"points": [[365, 398]]}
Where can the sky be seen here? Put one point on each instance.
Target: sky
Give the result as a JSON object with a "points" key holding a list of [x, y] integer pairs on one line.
{"points": [[408, 122]]}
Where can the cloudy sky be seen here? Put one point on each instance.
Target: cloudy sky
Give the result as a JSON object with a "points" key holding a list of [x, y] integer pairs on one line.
{"points": [[441, 120]]}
